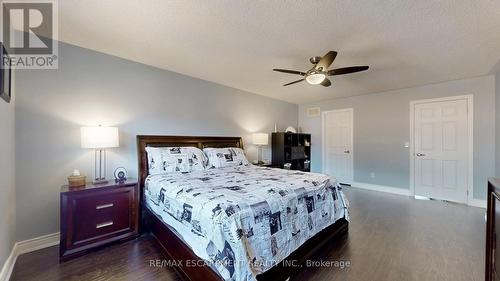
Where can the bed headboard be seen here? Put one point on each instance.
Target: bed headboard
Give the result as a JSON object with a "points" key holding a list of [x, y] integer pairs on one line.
{"points": [[163, 141]]}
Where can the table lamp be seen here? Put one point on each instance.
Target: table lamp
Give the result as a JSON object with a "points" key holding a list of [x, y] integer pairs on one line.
{"points": [[99, 138], [260, 139]]}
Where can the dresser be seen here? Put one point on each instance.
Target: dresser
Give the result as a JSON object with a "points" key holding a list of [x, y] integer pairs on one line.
{"points": [[493, 231], [97, 215]]}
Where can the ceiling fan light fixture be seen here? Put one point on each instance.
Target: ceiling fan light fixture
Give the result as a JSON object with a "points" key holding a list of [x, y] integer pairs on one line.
{"points": [[315, 78], [317, 75]]}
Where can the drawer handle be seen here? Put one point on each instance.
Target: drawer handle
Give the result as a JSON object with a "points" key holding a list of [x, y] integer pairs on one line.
{"points": [[104, 224], [104, 206]]}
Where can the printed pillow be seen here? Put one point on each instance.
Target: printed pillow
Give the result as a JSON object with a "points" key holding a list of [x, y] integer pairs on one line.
{"points": [[175, 159], [225, 157], [154, 160]]}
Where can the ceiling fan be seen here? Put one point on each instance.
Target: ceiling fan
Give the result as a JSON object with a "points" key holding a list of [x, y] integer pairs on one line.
{"points": [[317, 74]]}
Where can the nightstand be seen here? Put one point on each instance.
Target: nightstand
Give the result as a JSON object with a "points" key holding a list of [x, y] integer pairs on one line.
{"points": [[96, 215]]}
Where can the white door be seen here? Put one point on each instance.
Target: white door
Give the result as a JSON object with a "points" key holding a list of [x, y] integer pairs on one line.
{"points": [[441, 150], [337, 144]]}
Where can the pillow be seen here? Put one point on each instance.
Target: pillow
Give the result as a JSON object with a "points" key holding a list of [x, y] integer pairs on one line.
{"points": [[175, 159], [154, 160], [225, 157]]}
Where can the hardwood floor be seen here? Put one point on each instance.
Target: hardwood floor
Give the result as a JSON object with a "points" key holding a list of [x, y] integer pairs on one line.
{"points": [[391, 238], [127, 261]]}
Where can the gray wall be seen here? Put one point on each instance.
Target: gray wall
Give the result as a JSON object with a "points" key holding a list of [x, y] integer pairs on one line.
{"points": [[7, 179], [381, 126], [92, 88]]}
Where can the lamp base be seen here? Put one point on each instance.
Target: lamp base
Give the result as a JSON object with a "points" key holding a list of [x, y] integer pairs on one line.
{"points": [[100, 167], [100, 181]]}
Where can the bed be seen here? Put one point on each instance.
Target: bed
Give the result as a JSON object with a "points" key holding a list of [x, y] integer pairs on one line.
{"points": [[238, 223]]}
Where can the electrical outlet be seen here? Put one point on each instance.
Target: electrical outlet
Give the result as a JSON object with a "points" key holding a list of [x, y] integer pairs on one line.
{"points": [[372, 175]]}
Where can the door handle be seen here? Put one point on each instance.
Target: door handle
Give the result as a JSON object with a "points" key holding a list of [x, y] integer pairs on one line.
{"points": [[420, 154], [347, 151]]}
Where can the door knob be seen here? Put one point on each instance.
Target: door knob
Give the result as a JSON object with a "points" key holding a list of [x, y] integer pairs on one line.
{"points": [[347, 151], [420, 154]]}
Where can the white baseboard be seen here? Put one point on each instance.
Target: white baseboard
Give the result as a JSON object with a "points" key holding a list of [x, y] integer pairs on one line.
{"points": [[37, 243], [8, 265], [382, 188], [26, 246], [477, 203], [405, 192]]}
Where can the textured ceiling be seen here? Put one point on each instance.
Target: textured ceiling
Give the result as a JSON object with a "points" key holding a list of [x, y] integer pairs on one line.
{"points": [[236, 43]]}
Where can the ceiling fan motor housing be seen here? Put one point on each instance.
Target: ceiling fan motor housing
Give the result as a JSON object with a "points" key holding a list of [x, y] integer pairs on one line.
{"points": [[315, 60]]}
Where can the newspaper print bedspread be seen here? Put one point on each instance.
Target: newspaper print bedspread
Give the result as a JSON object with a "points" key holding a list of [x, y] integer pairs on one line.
{"points": [[243, 220]]}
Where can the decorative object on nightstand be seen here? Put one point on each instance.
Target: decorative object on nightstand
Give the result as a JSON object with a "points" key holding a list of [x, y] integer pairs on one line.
{"points": [[120, 174], [99, 138], [96, 215], [76, 179], [260, 139]]}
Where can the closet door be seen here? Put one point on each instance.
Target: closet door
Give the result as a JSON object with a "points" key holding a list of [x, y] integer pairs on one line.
{"points": [[337, 144], [441, 149]]}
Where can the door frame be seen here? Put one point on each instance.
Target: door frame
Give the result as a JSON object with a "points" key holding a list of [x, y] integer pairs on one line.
{"points": [[470, 146], [323, 156]]}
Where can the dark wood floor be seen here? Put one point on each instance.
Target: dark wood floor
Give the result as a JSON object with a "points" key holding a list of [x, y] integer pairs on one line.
{"points": [[390, 238]]}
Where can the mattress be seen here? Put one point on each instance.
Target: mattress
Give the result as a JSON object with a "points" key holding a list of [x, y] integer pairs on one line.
{"points": [[243, 220]]}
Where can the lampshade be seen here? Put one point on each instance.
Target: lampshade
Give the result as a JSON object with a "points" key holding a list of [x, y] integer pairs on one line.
{"points": [[260, 138], [99, 137]]}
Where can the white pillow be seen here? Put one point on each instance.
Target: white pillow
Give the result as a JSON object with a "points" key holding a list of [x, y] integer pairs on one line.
{"points": [[175, 159], [225, 157], [154, 160]]}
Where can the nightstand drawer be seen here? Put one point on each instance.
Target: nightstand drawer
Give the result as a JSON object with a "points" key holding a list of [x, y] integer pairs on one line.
{"points": [[102, 204], [97, 215], [100, 214]]}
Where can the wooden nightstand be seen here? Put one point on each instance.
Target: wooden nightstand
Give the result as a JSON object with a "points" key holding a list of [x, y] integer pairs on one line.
{"points": [[96, 215]]}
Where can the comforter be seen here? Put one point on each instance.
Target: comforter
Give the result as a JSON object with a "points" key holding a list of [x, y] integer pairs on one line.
{"points": [[243, 220]]}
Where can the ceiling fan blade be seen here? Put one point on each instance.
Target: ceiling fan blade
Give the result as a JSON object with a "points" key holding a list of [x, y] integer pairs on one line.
{"points": [[326, 61], [290, 71], [326, 82], [346, 70], [294, 82]]}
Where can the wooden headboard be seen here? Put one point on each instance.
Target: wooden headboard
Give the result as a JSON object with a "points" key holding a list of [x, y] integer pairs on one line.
{"points": [[163, 141]]}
